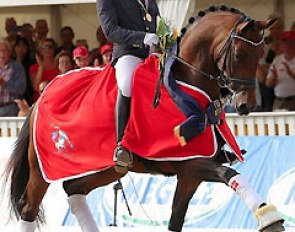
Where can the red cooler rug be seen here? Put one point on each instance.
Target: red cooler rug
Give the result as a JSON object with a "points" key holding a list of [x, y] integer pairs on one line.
{"points": [[75, 126]]}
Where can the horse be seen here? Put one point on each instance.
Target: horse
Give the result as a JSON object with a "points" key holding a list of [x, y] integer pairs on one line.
{"points": [[220, 47]]}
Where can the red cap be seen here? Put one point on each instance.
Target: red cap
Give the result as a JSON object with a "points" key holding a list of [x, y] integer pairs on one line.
{"points": [[105, 48], [80, 52], [288, 35]]}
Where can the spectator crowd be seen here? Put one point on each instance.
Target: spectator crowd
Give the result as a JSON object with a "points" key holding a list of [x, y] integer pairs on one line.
{"points": [[29, 60]]}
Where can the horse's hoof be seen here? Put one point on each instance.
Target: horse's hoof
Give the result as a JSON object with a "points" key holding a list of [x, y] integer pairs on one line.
{"points": [[275, 227], [268, 219]]}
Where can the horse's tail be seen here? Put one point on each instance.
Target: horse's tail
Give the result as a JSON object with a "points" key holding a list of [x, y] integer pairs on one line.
{"points": [[17, 169]]}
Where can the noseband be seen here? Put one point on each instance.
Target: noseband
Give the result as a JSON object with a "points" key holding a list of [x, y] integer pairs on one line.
{"points": [[222, 79]]}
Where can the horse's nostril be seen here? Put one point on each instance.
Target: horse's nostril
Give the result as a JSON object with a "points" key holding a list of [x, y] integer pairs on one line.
{"points": [[243, 109]]}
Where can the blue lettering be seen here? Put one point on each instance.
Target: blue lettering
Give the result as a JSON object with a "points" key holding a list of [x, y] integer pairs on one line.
{"points": [[133, 189], [165, 191], [203, 194], [149, 191]]}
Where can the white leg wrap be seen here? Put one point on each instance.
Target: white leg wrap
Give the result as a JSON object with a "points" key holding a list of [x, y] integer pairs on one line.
{"points": [[267, 215], [246, 192], [80, 209], [26, 226]]}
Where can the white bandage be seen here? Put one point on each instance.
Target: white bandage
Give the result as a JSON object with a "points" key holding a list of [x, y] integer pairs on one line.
{"points": [[80, 209], [26, 226]]}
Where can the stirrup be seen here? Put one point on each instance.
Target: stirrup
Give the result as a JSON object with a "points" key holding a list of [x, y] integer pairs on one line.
{"points": [[123, 159]]}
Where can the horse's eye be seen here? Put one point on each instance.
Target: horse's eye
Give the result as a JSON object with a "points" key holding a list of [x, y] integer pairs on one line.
{"points": [[239, 55]]}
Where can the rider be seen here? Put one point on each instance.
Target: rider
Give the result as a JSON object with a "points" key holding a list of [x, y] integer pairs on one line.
{"points": [[131, 26]]}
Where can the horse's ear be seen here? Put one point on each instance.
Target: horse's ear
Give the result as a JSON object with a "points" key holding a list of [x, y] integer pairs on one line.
{"points": [[266, 24], [249, 24], [270, 22]]}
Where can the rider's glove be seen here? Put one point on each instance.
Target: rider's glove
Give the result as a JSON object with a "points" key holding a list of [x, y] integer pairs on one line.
{"points": [[151, 39]]}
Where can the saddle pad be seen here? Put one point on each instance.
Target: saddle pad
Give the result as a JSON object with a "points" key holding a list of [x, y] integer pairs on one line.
{"points": [[74, 132]]}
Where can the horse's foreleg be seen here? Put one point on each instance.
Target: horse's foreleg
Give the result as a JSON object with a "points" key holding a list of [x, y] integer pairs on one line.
{"points": [[184, 191], [267, 215], [80, 209]]}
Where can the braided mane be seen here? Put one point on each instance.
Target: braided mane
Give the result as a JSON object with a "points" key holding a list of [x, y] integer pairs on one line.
{"points": [[210, 9]]}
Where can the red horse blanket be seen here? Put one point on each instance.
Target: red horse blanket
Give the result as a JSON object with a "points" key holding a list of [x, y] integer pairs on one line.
{"points": [[75, 131]]}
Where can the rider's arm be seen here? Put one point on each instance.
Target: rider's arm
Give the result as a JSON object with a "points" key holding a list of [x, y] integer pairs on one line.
{"points": [[110, 24]]}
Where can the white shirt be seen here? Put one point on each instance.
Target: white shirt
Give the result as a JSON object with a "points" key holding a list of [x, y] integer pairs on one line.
{"points": [[285, 86]]}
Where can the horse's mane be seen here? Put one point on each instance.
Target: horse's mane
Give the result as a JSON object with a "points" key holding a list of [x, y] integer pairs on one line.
{"points": [[210, 9]]}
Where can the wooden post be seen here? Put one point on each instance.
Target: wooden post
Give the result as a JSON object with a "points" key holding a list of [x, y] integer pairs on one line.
{"points": [[55, 22], [279, 7]]}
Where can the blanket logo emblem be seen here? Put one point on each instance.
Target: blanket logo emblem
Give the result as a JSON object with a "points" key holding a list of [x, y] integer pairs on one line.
{"points": [[61, 141]]}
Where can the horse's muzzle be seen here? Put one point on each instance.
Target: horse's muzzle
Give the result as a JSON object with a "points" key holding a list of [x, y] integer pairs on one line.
{"points": [[243, 109]]}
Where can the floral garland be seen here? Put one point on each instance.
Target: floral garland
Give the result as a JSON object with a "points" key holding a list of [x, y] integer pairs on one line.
{"points": [[167, 34]]}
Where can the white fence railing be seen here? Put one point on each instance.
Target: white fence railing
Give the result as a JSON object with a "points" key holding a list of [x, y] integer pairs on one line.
{"points": [[10, 126], [270, 123]]}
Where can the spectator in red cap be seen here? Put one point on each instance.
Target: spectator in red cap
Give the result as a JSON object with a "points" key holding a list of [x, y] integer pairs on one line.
{"points": [[106, 54], [281, 74], [81, 56]]}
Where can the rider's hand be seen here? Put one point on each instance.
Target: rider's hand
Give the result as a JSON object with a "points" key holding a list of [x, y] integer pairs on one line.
{"points": [[151, 39]]}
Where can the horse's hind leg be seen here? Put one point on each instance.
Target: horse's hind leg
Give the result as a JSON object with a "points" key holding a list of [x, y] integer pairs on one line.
{"points": [[30, 202], [184, 191], [32, 197], [77, 189]]}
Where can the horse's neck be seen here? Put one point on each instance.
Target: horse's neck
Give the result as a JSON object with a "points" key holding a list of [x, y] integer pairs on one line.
{"points": [[185, 74]]}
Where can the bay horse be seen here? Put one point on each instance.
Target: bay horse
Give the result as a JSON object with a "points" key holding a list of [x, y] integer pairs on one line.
{"points": [[220, 47]]}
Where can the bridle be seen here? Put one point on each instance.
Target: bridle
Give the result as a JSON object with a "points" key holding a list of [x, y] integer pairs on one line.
{"points": [[222, 79]]}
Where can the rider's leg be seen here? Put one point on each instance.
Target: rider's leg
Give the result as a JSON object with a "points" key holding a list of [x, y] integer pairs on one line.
{"points": [[122, 157], [80, 209], [26, 226], [125, 68]]}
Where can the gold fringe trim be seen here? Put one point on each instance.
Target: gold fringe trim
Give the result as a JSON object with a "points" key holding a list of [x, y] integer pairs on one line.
{"points": [[181, 139]]}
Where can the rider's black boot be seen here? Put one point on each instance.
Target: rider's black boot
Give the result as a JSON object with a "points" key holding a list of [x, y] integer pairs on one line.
{"points": [[122, 156]]}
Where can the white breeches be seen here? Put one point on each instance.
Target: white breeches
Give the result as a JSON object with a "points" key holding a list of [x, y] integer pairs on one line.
{"points": [[125, 68]]}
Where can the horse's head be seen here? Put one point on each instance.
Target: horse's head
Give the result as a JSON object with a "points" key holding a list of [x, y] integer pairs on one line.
{"points": [[245, 52], [223, 47]]}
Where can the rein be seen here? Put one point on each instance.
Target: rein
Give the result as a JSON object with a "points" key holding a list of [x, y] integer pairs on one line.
{"points": [[197, 118]]}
